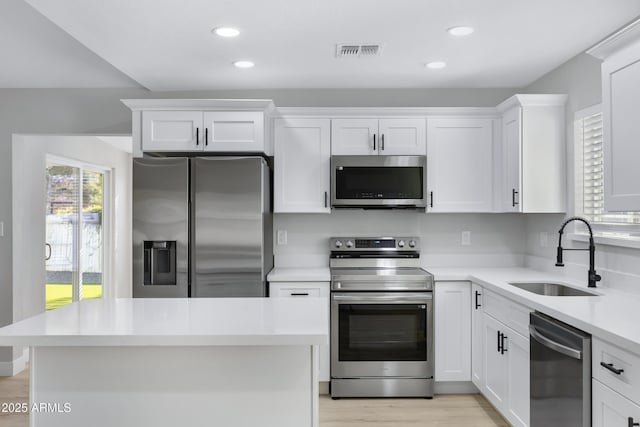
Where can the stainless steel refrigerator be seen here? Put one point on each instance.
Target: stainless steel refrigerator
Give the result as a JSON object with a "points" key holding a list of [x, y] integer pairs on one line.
{"points": [[202, 227]]}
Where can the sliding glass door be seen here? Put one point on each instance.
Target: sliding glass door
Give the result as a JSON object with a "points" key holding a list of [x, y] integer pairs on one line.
{"points": [[75, 232]]}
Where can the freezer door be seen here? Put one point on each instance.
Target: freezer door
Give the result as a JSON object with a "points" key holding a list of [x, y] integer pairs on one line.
{"points": [[160, 227], [230, 211]]}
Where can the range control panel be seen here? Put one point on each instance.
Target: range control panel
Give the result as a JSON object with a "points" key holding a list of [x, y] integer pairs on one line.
{"points": [[374, 244]]}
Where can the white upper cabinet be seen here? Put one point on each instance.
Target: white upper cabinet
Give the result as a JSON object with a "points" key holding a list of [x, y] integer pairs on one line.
{"points": [[620, 105], [352, 137], [533, 148], [391, 136], [301, 165], [237, 131], [460, 164], [211, 125], [172, 130]]}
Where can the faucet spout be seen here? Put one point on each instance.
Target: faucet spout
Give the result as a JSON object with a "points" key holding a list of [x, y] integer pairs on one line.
{"points": [[593, 277]]}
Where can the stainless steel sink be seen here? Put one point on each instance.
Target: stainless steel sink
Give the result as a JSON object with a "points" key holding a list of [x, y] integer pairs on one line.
{"points": [[553, 289]]}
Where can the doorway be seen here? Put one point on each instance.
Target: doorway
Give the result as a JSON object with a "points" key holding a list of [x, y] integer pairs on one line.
{"points": [[76, 218]]}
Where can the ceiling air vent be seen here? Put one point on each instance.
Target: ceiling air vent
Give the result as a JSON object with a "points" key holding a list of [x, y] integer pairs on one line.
{"points": [[357, 50]]}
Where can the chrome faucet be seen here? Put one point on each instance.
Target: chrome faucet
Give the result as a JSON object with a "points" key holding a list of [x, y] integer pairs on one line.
{"points": [[593, 276]]}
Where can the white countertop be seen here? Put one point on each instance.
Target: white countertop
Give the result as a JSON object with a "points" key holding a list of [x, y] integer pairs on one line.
{"points": [[280, 274], [176, 322], [612, 316]]}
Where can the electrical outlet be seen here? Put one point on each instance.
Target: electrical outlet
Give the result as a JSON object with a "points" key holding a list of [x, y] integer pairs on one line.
{"points": [[282, 237], [466, 238], [544, 239]]}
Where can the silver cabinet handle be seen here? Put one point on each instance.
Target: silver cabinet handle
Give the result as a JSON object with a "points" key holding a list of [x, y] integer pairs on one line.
{"points": [[47, 257], [382, 142], [560, 348], [326, 199]]}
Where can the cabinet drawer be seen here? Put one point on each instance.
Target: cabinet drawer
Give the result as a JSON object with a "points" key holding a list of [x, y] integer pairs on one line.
{"points": [[298, 289], [510, 313], [627, 382]]}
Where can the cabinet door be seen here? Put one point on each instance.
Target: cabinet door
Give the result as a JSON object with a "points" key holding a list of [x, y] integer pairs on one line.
{"points": [[402, 137], [301, 165], [452, 324], [234, 131], [621, 102], [306, 290], [517, 350], [172, 131], [611, 408], [511, 147], [477, 338], [495, 364], [351, 137], [460, 165]]}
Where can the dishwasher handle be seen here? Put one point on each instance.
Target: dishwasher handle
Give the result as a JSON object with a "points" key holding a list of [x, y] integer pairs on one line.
{"points": [[560, 348]]}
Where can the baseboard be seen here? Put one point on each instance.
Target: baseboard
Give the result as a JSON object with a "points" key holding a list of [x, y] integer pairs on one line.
{"points": [[454, 387], [323, 387], [9, 369]]}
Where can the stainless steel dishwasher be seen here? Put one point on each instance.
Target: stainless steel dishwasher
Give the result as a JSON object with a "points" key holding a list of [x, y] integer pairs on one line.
{"points": [[560, 373]]}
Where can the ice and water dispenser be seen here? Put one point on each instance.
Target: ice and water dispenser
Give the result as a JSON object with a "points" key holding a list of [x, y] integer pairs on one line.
{"points": [[160, 262]]}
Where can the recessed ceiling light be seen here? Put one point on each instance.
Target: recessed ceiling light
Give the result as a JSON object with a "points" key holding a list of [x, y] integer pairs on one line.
{"points": [[244, 64], [436, 65], [460, 31], [226, 32]]}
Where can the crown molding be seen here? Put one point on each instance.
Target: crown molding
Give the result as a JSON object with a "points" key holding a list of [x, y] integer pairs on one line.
{"points": [[533, 100], [375, 112], [200, 104], [622, 38]]}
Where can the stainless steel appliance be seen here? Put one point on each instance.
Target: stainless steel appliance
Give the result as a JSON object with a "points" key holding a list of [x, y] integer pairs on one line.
{"points": [[202, 227], [378, 181], [381, 319], [560, 373]]}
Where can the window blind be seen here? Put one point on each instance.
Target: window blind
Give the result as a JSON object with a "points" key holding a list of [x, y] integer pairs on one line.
{"points": [[590, 130]]}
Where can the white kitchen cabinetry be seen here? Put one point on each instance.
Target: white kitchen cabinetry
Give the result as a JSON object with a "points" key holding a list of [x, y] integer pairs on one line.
{"points": [[452, 324], [477, 337], [620, 106], [200, 125], [172, 131], [460, 164], [506, 357], [533, 154], [611, 408], [306, 290], [392, 136], [301, 165], [616, 386]]}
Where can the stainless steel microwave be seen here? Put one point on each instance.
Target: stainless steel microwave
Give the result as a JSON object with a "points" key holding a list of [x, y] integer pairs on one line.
{"points": [[378, 181]]}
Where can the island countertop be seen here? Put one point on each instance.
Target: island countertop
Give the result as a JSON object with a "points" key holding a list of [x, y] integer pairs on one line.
{"points": [[176, 322]]}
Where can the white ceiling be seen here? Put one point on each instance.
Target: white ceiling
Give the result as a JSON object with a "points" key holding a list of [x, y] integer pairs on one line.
{"points": [[167, 44], [38, 54]]}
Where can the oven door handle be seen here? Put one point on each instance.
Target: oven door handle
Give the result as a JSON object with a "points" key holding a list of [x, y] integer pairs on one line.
{"points": [[413, 298]]}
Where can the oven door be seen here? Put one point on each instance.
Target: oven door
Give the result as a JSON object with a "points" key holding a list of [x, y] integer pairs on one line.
{"points": [[381, 334], [378, 181]]}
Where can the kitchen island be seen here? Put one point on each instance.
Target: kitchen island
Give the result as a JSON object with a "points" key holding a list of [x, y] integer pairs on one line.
{"points": [[174, 362]]}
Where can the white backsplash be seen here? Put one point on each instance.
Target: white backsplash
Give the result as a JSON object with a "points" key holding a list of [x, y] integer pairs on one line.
{"points": [[497, 240]]}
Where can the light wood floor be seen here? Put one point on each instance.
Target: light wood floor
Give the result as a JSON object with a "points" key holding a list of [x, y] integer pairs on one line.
{"points": [[443, 410]]}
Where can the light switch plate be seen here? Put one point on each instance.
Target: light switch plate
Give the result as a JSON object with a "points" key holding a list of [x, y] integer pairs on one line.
{"points": [[466, 238], [281, 237]]}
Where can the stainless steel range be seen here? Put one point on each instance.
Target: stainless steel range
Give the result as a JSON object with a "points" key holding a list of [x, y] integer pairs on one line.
{"points": [[381, 318]]}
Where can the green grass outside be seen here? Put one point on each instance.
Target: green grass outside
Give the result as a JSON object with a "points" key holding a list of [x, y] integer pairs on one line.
{"points": [[59, 294]]}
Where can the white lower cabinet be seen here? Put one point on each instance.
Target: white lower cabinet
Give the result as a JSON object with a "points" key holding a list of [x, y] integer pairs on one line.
{"points": [[611, 408], [500, 355], [306, 290], [452, 324]]}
